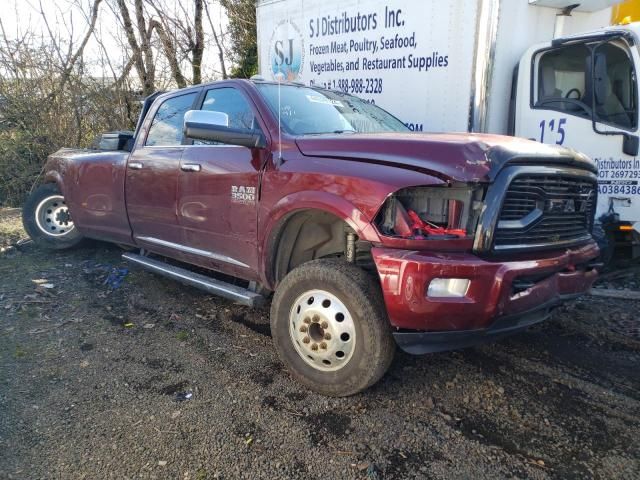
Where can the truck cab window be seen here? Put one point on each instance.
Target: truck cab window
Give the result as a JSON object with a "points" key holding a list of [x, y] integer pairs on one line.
{"points": [[614, 86], [166, 127], [562, 80], [232, 102], [574, 78]]}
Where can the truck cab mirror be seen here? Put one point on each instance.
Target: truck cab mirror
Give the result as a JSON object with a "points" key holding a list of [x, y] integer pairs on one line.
{"points": [[214, 127], [601, 83], [630, 145]]}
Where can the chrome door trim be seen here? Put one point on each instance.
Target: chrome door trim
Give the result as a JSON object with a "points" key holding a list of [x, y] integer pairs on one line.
{"points": [[135, 165], [193, 251]]}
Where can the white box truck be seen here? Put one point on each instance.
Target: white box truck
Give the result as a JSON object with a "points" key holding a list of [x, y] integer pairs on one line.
{"points": [[549, 70]]}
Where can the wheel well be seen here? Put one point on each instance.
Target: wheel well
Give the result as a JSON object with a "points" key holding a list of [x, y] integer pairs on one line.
{"points": [[308, 235]]}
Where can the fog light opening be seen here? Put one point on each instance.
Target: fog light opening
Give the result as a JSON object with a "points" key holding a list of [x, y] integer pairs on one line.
{"points": [[448, 287]]}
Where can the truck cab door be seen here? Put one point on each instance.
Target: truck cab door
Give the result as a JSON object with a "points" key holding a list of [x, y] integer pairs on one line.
{"points": [[152, 174], [584, 95], [218, 189]]}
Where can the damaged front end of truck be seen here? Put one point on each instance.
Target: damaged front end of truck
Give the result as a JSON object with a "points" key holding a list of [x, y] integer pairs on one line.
{"points": [[462, 263]]}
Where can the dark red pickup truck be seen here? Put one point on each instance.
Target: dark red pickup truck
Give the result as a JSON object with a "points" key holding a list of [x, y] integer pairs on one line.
{"points": [[368, 234]]}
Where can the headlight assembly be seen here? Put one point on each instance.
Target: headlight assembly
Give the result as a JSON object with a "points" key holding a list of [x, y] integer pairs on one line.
{"points": [[431, 213]]}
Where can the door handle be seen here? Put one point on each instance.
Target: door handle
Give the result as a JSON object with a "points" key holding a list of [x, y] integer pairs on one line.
{"points": [[190, 167], [135, 165]]}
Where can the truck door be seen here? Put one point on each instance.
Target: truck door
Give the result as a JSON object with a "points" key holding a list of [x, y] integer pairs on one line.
{"points": [[584, 95], [152, 175], [218, 190]]}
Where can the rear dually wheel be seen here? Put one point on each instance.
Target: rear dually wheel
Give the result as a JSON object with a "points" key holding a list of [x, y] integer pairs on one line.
{"points": [[47, 220]]}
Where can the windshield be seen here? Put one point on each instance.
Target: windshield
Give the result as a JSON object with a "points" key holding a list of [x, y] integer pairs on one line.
{"points": [[306, 110]]}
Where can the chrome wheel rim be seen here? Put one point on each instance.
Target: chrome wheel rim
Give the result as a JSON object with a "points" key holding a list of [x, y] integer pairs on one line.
{"points": [[53, 218], [322, 330]]}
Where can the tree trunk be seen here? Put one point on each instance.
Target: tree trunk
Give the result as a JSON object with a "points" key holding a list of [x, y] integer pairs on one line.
{"points": [[171, 54], [136, 51], [145, 47], [198, 46]]}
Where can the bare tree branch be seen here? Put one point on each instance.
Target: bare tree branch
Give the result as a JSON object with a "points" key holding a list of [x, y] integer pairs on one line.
{"points": [[76, 56], [140, 51], [170, 53], [218, 42]]}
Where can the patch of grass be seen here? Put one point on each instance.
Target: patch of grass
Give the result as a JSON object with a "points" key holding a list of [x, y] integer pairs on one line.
{"points": [[202, 474], [28, 312], [19, 352], [10, 226], [182, 336]]}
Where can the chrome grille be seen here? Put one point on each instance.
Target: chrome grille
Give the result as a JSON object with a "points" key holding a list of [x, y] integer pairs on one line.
{"points": [[545, 211]]}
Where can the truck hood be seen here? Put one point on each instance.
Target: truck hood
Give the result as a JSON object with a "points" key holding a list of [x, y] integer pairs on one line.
{"points": [[453, 157]]}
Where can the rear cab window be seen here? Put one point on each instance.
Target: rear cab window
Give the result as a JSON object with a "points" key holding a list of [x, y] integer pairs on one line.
{"points": [[167, 125]]}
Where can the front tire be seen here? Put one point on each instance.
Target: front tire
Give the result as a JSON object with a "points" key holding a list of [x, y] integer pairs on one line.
{"points": [[330, 327], [47, 220]]}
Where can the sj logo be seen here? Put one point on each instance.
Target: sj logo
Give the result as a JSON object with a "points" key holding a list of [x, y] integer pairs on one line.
{"points": [[287, 51], [281, 58]]}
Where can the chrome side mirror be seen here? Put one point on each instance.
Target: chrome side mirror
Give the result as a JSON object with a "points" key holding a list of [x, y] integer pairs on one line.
{"points": [[214, 127]]}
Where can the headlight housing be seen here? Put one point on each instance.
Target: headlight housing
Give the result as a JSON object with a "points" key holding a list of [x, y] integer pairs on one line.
{"points": [[431, 213]]}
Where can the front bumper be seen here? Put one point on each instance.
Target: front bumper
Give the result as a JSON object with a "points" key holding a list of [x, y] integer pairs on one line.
{"points": [[503, 296]]}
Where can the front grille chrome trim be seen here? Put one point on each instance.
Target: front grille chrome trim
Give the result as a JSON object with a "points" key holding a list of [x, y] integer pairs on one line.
{"points": [[485, 237]]}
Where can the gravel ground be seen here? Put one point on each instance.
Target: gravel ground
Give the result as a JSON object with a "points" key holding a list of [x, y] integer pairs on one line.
{"points": [[97, 361]]}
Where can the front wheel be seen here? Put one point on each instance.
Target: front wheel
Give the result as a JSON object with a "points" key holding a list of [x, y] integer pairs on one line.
{"points": [[330, 328], [47, 220]]}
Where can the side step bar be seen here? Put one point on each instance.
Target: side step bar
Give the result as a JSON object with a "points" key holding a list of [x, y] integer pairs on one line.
{"points": [[208, 284]]}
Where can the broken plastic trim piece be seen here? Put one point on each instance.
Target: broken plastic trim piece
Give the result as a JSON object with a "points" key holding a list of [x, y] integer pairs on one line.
{"points": [[419, 225], [437, 213]]}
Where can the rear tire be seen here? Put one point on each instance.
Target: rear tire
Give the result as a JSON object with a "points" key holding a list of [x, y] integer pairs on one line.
{"points": [[330, 328], [47, 220], [606, 242]]}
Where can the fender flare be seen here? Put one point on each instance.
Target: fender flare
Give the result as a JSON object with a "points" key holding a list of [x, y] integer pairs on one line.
{"points": [[53, 176]]}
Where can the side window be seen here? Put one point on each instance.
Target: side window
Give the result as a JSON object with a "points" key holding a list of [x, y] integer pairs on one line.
{"points": [[614, 86], [166, 128], [571, 78], [234, 104], [562, 75]]}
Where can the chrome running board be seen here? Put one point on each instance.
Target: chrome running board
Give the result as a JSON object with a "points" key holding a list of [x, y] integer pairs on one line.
{"points": [[208, 284]]}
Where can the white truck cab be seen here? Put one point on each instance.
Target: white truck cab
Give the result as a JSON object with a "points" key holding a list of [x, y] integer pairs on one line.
{"points": [[581, 91]]}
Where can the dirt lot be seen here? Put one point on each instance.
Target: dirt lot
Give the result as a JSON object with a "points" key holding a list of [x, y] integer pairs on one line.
{"points": [[97, 359]]}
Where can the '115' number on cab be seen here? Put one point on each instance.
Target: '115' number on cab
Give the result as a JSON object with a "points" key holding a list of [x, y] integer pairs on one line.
{"points": [[560, 133]]}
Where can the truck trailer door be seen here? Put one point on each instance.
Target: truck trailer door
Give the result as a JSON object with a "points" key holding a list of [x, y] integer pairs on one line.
{"points": [[583, 94]]}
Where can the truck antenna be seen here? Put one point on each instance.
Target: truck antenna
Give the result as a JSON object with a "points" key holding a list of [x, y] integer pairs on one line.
{"points": [[279, 77]]}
